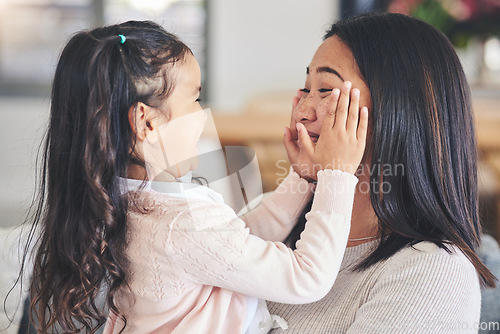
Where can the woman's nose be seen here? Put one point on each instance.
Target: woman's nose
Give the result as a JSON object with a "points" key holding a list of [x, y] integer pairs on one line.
{"points": [[306, 110]]}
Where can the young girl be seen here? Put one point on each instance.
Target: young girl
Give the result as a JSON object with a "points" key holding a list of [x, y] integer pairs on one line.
{"points": [[121, 216]]}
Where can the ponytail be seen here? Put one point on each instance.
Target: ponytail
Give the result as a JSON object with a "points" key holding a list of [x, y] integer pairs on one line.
{"points": [[81, 212]]}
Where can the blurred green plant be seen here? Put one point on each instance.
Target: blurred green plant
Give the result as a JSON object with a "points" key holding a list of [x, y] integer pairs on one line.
{"points": [[459, 20]]}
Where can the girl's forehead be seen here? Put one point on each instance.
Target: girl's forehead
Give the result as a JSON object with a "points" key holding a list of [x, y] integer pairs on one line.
{"points": [[187, 72]]}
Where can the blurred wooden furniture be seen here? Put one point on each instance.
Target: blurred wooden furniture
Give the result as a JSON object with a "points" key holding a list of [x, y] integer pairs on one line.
{"points": [[260, 126], [487, 112]]}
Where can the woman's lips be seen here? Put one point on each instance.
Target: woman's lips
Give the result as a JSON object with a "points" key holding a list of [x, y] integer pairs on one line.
{"points": [[314, 136]]}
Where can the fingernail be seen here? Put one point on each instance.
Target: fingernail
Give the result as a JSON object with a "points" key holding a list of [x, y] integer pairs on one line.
{"points": [[364, 110], [355, 92], [297, 127], [347, 84], [336, 91]]}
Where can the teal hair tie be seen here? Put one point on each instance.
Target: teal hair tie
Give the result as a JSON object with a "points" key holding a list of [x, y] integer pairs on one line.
{"points": [[122, 38]]}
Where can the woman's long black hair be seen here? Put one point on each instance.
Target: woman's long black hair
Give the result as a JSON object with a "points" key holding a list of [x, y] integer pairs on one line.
{"points": [[422, 145], [80, 214]]}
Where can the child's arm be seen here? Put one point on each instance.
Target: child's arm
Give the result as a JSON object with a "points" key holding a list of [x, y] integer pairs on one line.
{"points": [[227, 256], [276, 215]]}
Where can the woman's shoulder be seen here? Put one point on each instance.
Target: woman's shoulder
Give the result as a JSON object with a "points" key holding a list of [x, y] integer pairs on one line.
{"points": [[427, 263], [428, 254], [426, 251], [426, 280]]}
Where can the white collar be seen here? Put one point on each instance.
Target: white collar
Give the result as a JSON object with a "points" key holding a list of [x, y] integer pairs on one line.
{"points": [[177, 189], [188, 178]]}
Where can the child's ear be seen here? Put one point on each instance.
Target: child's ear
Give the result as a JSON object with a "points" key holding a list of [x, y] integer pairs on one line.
{"points": [[141, 119]]}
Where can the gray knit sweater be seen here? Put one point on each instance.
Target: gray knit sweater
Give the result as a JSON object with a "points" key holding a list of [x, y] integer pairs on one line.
{"points": [[418, 290]]}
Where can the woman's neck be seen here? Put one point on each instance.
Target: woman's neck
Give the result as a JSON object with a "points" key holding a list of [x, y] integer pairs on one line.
{"points": [[364, 220]]}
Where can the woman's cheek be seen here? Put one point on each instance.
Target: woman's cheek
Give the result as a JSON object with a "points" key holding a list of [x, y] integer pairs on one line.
{"points": [[323, 108]]}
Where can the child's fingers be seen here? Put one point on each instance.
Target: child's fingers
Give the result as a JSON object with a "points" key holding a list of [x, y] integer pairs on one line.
{"points": [[343, 105], [352, 117], [300, 92], [329, 119], [293, 125], [296, 99], [292, 150], [304, 141], [363, 125]]}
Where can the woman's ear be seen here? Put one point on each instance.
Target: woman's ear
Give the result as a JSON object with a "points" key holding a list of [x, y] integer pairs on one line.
{"points": [[141, 118]]}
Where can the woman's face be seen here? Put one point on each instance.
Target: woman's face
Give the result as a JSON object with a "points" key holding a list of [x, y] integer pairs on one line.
{"points": [[331, 65]]}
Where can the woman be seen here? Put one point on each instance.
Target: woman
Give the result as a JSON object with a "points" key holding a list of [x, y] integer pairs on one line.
{"points": [[410, 265]]}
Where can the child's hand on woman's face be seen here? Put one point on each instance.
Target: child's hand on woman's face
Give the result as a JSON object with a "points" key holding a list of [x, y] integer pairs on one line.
{"points": [[342, 139], [292, 155]]}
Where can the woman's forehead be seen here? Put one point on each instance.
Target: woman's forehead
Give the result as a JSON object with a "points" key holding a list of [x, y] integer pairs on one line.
{"points": [[333, 53]]}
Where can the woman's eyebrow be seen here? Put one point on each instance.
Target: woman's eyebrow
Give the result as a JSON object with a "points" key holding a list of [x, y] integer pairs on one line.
{"points": [[326, 69]]}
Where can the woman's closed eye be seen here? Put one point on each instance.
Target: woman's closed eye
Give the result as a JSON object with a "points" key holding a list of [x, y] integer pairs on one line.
{"points": [[321, 90], [324, 92]]}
